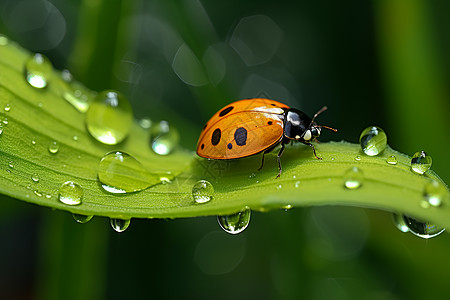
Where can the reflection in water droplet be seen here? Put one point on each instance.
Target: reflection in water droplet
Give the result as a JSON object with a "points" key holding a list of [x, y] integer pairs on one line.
{"points": [[38, 71], [353, 178], [422, 229], [392, 160], [70, 193], [35, 177], [202, 191], [109, 118], [53, 147], [357, 158], [7, 107], [33, 142], [399, 222], [434, 193], [119, 172], [164, 138], [120, 225], [373, 140], [421, 162], [81, 218], [235, 223]]}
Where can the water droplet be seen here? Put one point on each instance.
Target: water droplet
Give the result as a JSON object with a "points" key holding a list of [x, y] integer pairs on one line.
{"points": [[109, 117], [235, 223], [202, 191], [75, 93], [66, 76], [38, 71], [1, 129], [75, 138], [37, 193], [164, 138], [81, 218], [392, 160], [434, 193], [120, 225], [53, 147], [253, 175], [297, 183], [421, 162], [373, 140], [279, 187], [33, 142], [3, 40], [70, 193], [357, 158], [35, 177], [10, 164], [400, 223], [353, 178], [422, 229], [145, 123], [119, 172], [7, 107], [5, 121]]}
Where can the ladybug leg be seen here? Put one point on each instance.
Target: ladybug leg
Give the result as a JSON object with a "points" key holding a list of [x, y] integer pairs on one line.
{"points": [[279, 159], [314, 150], [262, 162]]}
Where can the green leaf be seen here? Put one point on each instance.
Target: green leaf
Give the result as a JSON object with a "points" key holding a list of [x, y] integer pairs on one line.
{"points": [[39, 117]]}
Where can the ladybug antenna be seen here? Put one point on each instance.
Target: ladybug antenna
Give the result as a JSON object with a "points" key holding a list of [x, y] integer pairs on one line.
{"points": [[318, 113]]}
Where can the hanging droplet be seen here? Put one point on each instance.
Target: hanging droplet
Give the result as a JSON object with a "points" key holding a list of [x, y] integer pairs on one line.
{"points": [[38, 71], [53, 147], [70, 193], [422, 229], [235, 223], [81, 218], [120, 225], [373, 140], [434, 193], [109, 118], [119, 172], [421, 162], [202, 191], [353, 178], [7, 107], [35, 177], [145, 123], [392, 160], [400, 223], [164, 138]]}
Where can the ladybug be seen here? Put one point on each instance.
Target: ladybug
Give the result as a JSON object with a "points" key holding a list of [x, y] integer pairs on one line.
{"points": [[251, 126]]}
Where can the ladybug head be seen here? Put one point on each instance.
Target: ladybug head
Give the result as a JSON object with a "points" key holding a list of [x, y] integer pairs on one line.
{"points": [[313, 130]]}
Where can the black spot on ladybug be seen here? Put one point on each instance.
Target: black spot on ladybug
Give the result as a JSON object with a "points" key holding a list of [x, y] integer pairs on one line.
{"points": [[229, 146], [225, 111], [273, 104], [240, 136], [202, 146], [215, 138], [269, 123]]}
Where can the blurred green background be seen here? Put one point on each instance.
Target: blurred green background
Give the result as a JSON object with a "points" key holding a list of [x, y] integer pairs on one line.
{"points": [[382, 63]]}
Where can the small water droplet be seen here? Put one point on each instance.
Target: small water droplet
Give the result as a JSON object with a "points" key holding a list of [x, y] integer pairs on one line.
{"points": [[164, 138], [253, 175], [7, 107], [120, 225], [297, 183], [38, 71], [235, 223], [76, 94], [279, 187], [70, 193], [145, 123], [434, 193], [399, 222], [66, 76], [373, 140], [35, 177], [109, 117], [81, 218], [53, 147], [10, 164], [1, 129], [422, 229], [3, 40], [119, 173], [421, 162], [75, 138], [353, 178], [392, 160], [37, 193], [33, 142], [357, 158], [5, 121], [202, 191]]}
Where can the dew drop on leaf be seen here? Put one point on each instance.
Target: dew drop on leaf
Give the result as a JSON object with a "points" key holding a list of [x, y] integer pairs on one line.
{"points": [[235, 223], [70, 193], [373, 140], [81, 218], [392, 160], [422, 229], [7, 107], [202, 191], [164, 138], [119, 225], [109, 117], [399, 222], [53, 147], [420, 162], [353, 178], [434, 193], [38, 71], [35, 177]]}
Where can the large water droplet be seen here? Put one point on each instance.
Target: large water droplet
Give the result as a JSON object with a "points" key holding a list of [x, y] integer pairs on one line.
{"points": [[38, 71], [421, 162], [392, 160], [202, 191], [434, 193], [422, 229], [70, 193], [53, 147], [353, 178], [81, 218], [400, 223], [109, 118], [120, 225], [164, 138], [119, 172], [373, 140], [235, 223]]}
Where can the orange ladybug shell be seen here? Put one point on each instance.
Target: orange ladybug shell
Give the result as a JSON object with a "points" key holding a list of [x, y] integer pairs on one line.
{"points": [[242, 128]]}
